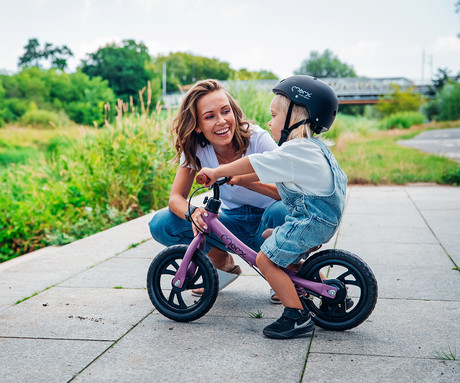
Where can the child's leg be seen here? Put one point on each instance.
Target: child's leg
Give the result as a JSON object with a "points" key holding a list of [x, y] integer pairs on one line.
{"points": [[279, 281]]}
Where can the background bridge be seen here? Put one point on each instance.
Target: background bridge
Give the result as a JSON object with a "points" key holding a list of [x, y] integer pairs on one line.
{"points": [[350, 90]]}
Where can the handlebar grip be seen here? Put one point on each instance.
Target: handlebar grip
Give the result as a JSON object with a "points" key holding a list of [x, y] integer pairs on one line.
{"points": [[202, 179]]}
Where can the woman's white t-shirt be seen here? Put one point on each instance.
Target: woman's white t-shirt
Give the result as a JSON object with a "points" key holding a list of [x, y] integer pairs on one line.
{"points": [[236, 196]]}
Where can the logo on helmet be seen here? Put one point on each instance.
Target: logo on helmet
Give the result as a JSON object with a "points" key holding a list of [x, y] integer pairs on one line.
{"points": [[301, 92]]}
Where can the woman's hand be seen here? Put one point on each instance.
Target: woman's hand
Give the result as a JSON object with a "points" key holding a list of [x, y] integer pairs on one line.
{"points": [[197, 217]]}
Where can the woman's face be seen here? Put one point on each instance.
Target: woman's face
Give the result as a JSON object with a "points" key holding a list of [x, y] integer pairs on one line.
{"points": [[276, 124], [216, 119]]}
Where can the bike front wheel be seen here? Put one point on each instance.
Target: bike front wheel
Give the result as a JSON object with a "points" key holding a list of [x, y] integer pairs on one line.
{"points": [[178, 303], [356, 289]]}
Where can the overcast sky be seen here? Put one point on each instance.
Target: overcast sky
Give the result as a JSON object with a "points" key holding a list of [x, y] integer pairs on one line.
{"points": [[379, 38]]}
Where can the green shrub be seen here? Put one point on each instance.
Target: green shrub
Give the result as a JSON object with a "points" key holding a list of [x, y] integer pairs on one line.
{"points": [[86, 185], [446, 104], [402, 120], [14, 108], [38, 117]]}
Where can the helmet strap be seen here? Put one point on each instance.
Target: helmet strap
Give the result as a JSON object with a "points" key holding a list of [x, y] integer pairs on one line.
{"points": [[288, 129]]}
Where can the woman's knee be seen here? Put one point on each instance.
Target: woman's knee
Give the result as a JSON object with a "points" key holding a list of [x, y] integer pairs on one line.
{"points": [[274, 215], [161, 224]]}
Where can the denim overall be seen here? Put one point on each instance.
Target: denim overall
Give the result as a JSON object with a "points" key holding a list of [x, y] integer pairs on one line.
{"points": [[312, 219]]}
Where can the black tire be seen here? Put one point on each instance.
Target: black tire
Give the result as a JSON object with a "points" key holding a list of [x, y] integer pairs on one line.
{"points": [[355, 281], [178, 303]]}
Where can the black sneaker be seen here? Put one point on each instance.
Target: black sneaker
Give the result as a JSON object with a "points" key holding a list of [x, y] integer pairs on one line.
{"points": [[293, 323]]}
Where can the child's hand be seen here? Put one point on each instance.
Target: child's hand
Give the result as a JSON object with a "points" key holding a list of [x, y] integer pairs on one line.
{"points": [[208, 176], [235, 180]]}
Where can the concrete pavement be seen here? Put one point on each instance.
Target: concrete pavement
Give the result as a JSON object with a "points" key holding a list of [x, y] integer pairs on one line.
{"points": [[81, 313]]}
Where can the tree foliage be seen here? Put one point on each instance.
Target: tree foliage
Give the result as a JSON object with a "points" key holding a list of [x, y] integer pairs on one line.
{"points": [[243, 74], [400, 101], [445, 106], [34, 56], [79, 96], [184, 68], [125, 67], [325, 64]]}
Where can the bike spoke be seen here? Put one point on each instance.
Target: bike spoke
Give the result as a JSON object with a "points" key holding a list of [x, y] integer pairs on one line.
{"points": [[197, 276], [179, 298]]}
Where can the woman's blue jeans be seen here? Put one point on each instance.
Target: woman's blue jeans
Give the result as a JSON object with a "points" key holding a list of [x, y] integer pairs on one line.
{"points": [[246, 222]]}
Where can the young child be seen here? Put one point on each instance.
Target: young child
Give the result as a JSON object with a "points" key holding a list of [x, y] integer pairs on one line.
{"points": [[310, 183]]}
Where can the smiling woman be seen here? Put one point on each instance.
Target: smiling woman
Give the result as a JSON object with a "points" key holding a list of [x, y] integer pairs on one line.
{"points": [[210, 129]]}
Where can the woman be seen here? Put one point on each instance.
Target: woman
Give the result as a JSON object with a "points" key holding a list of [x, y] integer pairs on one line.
{"points": [[209, 130]]}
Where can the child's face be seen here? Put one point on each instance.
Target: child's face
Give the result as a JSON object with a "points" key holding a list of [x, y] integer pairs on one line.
{"points": [[276, 124], [216, 119]]}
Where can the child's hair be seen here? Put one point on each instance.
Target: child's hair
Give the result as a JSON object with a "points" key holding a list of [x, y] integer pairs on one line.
{"points": [[183, 126], [298, 113]]}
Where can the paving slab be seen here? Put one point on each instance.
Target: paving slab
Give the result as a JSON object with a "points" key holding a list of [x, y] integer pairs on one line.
{"points": [[323, 368], [397, 328], [46, 360], [76, 313], [114, 273], [417, 271], [211, 349]]}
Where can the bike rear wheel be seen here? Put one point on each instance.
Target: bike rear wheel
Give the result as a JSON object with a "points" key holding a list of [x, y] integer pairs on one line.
{"points": [[356, 289], [178, 303]]}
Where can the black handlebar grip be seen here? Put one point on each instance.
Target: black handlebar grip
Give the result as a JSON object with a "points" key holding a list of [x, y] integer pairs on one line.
{"points": [[202, 179]]}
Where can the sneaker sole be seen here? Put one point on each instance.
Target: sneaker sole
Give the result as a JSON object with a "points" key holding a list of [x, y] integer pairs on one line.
{"points": [[300, 332]]}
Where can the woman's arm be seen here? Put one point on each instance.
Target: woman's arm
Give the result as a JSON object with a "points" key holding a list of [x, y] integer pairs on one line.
{"points": [[180, 190], [178, 203]]}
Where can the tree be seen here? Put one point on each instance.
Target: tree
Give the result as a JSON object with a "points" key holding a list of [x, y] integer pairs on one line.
{"points": [[244, 74], [185, 68], [56, 56], [400, 101], [325, 65], [124, 67]]}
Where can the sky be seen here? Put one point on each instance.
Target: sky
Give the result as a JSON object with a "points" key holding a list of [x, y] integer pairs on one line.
{"points": [[378, 38]]}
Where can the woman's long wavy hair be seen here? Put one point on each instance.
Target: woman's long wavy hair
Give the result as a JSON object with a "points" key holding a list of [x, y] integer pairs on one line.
{"points": [[186, 139]]}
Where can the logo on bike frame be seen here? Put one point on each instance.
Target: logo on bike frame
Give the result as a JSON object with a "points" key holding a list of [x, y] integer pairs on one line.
{"points": [[225, 239]]}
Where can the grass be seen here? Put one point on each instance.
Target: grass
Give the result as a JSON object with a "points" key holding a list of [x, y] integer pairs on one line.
{"points": [[256, 315], [451, 354], [19, 145], [378, 159]]}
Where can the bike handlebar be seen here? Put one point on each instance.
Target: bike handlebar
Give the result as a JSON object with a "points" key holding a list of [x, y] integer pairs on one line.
{"points": [[203, 179]]}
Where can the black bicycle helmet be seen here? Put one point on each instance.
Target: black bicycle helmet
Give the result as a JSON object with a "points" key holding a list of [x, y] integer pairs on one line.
{"points": [[315, 95]]}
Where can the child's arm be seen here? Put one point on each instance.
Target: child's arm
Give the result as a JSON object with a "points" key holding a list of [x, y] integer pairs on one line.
{"points": [[236, 168], [251, 182]]}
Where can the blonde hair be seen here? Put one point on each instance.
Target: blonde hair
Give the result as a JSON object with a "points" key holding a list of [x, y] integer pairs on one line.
{"points": [[186, 139], [298, 113]]}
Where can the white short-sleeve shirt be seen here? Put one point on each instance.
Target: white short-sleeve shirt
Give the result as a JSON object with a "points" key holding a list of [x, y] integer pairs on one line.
{"points": [[236, 196], [299, 164]]}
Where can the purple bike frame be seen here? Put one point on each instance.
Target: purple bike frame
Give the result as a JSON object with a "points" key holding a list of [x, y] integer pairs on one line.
{"points": [[187, 267]]}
